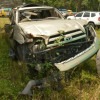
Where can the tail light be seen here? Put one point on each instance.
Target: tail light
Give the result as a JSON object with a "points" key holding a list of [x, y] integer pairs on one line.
{"points": [[99, 19]]}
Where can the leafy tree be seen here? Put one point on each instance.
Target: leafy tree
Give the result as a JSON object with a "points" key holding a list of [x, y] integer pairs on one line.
{"points": [[85, 4], [75, 5], [99, 5]]}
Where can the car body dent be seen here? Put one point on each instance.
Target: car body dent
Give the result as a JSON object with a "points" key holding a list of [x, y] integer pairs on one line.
{"points": [[47, 28], [18, 35]]}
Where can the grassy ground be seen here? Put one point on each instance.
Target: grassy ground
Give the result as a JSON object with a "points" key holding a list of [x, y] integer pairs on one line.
{"points": [[83, 84]]}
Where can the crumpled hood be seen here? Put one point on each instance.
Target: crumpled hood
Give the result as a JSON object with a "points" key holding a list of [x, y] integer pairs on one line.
{"points": [[51, 27]]}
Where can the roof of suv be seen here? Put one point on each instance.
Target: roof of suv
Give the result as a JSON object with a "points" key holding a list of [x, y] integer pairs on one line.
{"points": [[91, 11], [42, 7], [30, 6]]}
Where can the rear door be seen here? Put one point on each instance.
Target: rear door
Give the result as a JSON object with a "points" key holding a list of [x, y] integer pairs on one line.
{"points": [[86, 16], [94, 17]]}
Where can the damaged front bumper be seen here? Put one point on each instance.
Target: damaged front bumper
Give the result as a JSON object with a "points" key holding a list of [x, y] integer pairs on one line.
{"points": [[79, 58], [81, 47]]}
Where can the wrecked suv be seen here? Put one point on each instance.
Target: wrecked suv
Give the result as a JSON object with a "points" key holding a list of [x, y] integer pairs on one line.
{"points": [[41, 33]]}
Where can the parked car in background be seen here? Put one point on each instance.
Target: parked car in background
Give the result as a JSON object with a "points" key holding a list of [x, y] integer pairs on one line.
{"points": [[70, 11], [93, 18], [4, 12], [66, 12], [7, 10], [63, 11]]}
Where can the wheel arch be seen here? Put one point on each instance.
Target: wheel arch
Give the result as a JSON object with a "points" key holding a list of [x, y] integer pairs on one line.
{"points": [[91, 22]]}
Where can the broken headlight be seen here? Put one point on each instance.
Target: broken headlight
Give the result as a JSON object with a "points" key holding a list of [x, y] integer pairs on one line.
{"points": [[37, 45]]}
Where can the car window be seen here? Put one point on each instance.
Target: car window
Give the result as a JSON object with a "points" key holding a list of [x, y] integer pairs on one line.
{"points": [[38, 14], [93, 14], [86, 15], [0, 11], [79, 15]]}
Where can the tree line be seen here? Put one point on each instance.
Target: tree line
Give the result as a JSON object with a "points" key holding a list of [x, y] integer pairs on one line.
{"points": [[75, 5]]}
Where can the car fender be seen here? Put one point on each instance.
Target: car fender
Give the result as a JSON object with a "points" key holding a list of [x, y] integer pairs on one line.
{"points": [[17, 35]]}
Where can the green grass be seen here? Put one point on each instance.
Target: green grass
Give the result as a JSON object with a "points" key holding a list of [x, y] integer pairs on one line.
{"points": [[83, 84], [12, 75]]}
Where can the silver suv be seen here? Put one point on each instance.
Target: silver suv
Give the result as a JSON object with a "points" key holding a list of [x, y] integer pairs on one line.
{"points": [[41, 34], [93, 18]]}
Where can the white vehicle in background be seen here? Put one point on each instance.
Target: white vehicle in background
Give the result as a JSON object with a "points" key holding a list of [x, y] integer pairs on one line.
{"points": [[93, 18]]}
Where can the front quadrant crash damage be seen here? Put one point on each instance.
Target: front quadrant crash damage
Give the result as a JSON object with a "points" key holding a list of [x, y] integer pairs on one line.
{"points": [[36, 36]]}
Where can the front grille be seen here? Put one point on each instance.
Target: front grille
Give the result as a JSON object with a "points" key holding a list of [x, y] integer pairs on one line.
{"points": [[65, 37], [78, 35]]}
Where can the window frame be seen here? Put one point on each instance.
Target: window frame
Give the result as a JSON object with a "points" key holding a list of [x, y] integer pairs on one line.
{"points": [[93, 13], [78, 14], [87, 13]]}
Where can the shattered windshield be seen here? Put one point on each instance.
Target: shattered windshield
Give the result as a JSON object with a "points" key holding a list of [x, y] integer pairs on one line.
{"points": [[37, 14]]}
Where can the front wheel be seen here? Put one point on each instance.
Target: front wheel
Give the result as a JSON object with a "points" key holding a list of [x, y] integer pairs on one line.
{"points": [[98, 62], [91, 24], [3, 16]]}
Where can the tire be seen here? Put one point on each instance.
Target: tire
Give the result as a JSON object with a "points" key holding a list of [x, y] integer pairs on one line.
{"points": [[98, 62], [3, 16], [91, 24]]}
